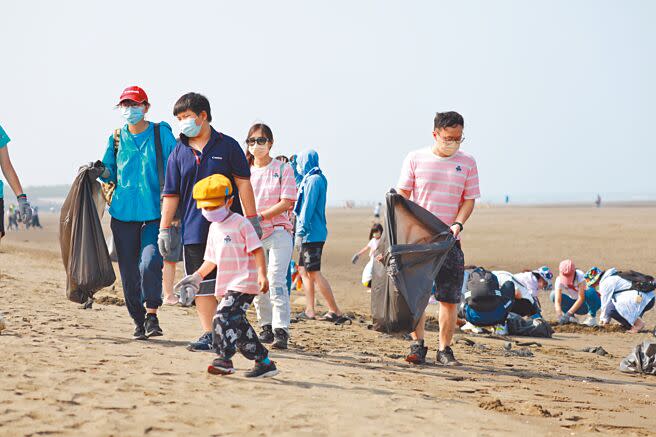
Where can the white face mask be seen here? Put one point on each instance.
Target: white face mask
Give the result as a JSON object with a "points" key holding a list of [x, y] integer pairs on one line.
{"points": [[259, 151], [448, 148], [216, 215]]}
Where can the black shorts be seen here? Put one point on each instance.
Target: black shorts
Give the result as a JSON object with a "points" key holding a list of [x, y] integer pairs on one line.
{"points": [[2, 217], [310, 256], [193, 258], [448, 282]]}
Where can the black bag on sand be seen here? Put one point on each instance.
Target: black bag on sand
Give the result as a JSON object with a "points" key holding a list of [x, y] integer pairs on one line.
{"points": [[414, 246], [517, 325], [641, 360], [84, 252]]}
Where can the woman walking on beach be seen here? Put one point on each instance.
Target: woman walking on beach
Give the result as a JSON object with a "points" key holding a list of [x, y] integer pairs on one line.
{"points": [[274, 188]]}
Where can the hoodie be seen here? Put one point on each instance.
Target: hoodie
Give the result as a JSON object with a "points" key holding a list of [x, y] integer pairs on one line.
{"points": [[310, 209]]}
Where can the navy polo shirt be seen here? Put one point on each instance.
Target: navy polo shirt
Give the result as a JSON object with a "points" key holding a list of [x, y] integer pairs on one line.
{"points": [[186, 166]]}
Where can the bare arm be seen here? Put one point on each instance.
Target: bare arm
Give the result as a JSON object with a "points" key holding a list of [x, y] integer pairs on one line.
{"points": [[206, 268], [579, 301], [9, 172], [283, 206], [465, 210], [558, 299], [260, 262], [404, 193], [246, 196], [169, 207]]}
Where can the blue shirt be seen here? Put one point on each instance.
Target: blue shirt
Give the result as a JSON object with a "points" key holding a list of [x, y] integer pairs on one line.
{"points": [[310, 207], [134, 171], [221, 155], [4, 140]]}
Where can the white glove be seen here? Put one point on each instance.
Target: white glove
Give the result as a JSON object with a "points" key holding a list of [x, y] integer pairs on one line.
{"points": [[187, 288]]}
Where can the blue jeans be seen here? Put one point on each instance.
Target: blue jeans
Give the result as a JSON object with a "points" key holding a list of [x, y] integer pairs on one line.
{"points": [[140, 264], [591, 305]]}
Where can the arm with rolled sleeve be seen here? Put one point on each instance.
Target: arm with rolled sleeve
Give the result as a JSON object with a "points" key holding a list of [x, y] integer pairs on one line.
{"points": [[304, 226]]}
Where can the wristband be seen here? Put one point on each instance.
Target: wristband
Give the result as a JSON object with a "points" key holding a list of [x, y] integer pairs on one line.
{"points": [[460, 225], [251, 216], [21, 196]]}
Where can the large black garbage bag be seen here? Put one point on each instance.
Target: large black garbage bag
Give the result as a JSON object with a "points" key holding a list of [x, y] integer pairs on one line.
{"points": [[641, 360], [518, 325], [84, 252], [414, 246]]}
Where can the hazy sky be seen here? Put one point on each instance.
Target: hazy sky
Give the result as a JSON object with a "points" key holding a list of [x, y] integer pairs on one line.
{"points": [[557, 96]]}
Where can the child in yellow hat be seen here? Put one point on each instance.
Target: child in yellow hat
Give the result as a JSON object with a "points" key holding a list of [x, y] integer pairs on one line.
{"points": [[235, 250]]}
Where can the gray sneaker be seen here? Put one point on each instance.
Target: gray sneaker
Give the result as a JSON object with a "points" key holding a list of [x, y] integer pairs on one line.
{"points": [[446, 358]]}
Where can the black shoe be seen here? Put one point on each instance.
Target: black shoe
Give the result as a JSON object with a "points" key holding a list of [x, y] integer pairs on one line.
{"points": [[446, 358], [417, 353], [204, 343], [262, 370], [221, 366], [140, 333], [152, 326], [281, 337], [266, 336]]}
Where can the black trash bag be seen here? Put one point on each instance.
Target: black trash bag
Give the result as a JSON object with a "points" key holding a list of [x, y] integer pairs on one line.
{"points": [[641, 360], [84, 252], [414, 246], [517, 325]]}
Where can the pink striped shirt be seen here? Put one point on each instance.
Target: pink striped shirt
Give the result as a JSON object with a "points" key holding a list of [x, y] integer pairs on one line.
{"points": [[271, 184], [440, 184], [230, 245]]}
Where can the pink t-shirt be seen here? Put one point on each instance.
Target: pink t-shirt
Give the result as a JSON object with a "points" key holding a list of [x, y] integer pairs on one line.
{"points": [[440, 184], [271, 184], [230, 245]]}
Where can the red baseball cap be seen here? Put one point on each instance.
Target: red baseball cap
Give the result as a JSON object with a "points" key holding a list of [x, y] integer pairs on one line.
{"points": [[133, 93]]}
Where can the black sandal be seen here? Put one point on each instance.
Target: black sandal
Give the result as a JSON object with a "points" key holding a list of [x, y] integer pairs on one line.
{"points": [[303, 316]]}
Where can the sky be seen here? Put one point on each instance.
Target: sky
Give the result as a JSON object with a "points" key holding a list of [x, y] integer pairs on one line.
{"points": [[558, 96]]}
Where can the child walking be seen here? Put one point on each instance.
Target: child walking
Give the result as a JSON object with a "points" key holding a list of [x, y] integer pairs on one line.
{"points": [[374, 239], [235, 251]]}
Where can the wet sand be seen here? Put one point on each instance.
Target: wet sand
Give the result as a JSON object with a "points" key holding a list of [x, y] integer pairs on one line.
{"points": [[68, 371]]}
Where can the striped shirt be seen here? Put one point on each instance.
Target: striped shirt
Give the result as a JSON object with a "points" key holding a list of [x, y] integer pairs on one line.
{"points": [[230, 245], [271, 184], [438, 184]]}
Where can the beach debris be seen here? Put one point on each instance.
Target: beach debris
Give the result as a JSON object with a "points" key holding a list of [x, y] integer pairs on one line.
{"points": [[523, 353], [595, 350], [641, 360], [528, 343]]}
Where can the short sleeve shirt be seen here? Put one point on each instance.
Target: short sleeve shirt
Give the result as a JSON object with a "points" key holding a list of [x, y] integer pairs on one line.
{"points": [[271, 184], [438, 184], [186, 166], [230, 245], [571, 292]]}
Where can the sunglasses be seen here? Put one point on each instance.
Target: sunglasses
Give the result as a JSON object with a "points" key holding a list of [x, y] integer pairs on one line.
{"points": [[259, 140]]}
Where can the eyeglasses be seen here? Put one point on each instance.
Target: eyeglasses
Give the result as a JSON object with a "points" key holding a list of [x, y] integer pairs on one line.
{"points": [[259, 140], [129, 104], [452, 140]]}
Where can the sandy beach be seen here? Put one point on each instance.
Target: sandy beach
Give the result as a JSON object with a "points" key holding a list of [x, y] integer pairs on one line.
{"points": [[68, 371]]}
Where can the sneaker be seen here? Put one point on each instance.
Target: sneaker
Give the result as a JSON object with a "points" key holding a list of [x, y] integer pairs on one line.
{"points": [[590, 321], [468, 327], [501, 329], [140, 333], [204, 343], [262, 370], [152, 326], [417, 353], [446, 358], [221, 366], [281, 337], [266, 336]]}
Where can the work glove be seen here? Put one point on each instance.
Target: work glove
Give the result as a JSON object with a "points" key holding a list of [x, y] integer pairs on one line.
{"points": [[187, 288], [355, 259], [96, 170], [255, 221], [566, 318], [164, 242], [24, 209]]}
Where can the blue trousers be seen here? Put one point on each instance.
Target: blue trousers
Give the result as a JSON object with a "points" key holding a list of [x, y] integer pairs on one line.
{"points": [[591, 305], [140, 264]]}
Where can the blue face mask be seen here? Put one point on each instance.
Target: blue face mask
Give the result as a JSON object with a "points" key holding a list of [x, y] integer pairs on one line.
{"points": [[189, 127], [132, 114]]}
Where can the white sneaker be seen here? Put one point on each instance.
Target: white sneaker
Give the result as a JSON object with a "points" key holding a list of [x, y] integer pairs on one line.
{"points": [[501, 329], [468, 327], [590, 321]]}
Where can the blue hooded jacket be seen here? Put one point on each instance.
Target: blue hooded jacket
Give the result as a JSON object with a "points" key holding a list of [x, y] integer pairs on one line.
{"points": [[310, 207]]}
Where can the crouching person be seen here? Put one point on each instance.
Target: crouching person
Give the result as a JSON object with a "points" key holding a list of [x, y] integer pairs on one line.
{"points": [[625, 296], [572, 297], [234, 247], [485, 302]]}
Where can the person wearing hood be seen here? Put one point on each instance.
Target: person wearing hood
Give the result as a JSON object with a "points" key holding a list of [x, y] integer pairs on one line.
{"points": [[311, 234], [619, 300], [135, 207]]}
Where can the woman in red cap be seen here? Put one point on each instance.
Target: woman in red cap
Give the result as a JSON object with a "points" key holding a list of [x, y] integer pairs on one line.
{"points": [[572, 297]]}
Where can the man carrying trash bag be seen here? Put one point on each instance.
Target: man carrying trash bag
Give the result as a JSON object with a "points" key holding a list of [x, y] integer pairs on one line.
{"points": [[136, 170]]}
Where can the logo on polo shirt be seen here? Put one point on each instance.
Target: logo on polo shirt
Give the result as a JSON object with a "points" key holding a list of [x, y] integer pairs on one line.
{"points": [[276, 175], [227, 239], [458, 168], [218, 158]]}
